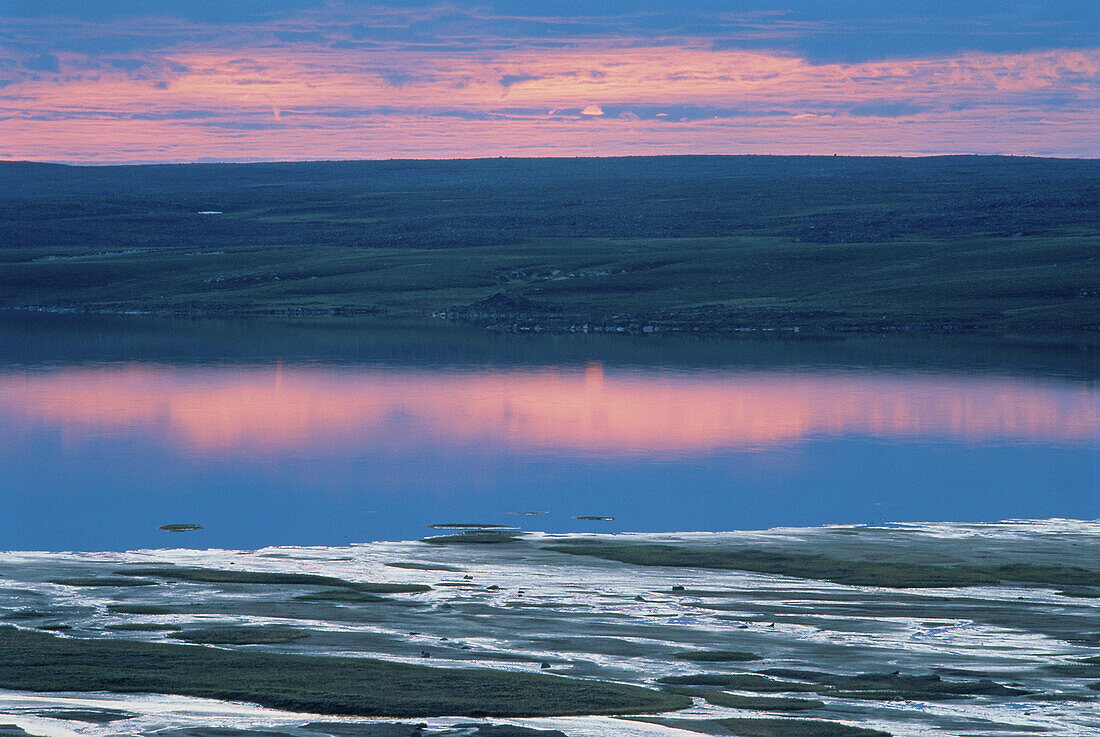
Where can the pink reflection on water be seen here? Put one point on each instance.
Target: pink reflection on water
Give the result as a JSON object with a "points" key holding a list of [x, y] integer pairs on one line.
{"points": [[279, 409]]}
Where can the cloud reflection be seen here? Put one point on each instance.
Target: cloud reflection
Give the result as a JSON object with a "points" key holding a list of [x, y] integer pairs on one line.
{"points": [[272, 410]]}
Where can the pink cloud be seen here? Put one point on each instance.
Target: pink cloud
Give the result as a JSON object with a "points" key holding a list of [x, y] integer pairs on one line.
{"points": [[246, 95]]}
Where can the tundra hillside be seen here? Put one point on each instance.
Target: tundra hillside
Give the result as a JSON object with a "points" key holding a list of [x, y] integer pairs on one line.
{"points": [[710, 244]]}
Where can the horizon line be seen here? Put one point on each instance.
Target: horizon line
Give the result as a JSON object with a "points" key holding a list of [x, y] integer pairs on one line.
{"points": [[247, 162]]}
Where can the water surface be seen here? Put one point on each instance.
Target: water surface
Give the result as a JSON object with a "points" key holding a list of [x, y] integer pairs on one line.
{"points": [[271, 437]]}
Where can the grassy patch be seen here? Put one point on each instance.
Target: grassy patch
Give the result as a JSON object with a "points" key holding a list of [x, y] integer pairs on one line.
{"points": [[143, 627], [716, 656], [852, 573], [872, 686], [20, 615], [89, 716], [760, 703], [138, 609], [424, 566], [739, 701], [889, 686], [241, 635], [1071, 697], [738, 682], [795, 728], [212, 575], [477, 537], [321, 685], [469, 729], [104, 581], [1042, 574], [1077, 669], [342, 596], [848, 572], [10, 730]]}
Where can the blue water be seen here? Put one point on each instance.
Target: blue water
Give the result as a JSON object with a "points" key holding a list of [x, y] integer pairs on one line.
{"points": [[327, 448]]}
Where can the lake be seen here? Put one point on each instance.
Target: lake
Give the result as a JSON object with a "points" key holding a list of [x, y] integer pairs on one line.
{"points": [[314, 454], [284, 433]]}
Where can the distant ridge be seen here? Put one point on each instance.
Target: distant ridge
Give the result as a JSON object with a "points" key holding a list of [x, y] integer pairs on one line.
{"points": [[717, 244]]}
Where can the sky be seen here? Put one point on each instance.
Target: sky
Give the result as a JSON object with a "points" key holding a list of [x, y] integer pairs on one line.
{"points": [[117, 81]]}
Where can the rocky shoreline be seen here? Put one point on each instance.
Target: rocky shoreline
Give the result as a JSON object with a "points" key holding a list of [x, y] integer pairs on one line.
{"points": [[507, 313], [502, 312]]}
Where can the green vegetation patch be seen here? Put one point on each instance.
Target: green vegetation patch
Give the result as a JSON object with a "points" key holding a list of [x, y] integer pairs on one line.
{"points": [[1077, 669], [24, 614], [738, 682], [93, 581], [797, 565], [875, 686], [716, 656], [241, 635], [848, 572], [89, 716], [1045, 574], [477, 537], [424, 566], [320, 685], [888, 686], [143, 627], [739, 701], [795, 728], [760, 703], [10, 730], [341, 595], [138, 609], [1071, 697], [213, 575], [391, 729]]}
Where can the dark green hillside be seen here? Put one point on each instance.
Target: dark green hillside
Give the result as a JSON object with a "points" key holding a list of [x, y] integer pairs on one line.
{"points": [[935, 244]]}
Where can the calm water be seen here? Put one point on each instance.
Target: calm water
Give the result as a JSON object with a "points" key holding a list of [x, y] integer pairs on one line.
{"points": [[270, 434]]}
